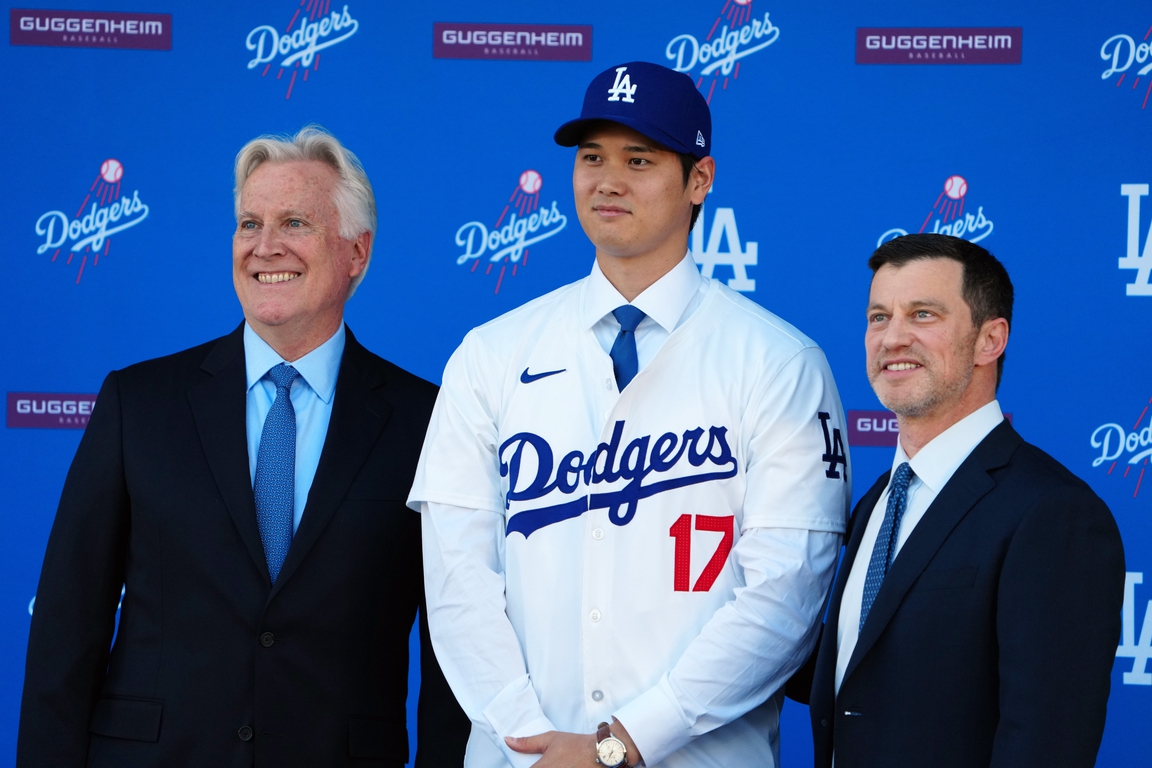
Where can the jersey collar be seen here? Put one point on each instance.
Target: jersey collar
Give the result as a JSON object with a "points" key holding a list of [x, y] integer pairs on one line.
{"points": [[664, 301]]}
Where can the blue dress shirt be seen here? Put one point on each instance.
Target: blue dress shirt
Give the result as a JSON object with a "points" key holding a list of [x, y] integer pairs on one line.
{"points": [[311, 398]]}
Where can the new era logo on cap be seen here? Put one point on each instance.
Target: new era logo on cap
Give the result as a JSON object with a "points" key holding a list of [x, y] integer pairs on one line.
{"points": [[670, 110]]}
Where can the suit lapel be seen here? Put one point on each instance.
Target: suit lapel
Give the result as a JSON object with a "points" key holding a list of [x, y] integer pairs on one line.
{"points": [[219, 407], [358, 416], [968, 485]]}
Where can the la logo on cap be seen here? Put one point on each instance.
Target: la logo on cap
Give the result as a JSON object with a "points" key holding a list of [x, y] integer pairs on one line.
{"points": [[622, 87]]}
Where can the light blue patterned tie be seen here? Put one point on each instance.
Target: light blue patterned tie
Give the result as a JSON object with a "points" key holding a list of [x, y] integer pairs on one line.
{"points": [[624, 361], [885, 550], [275, 487]]}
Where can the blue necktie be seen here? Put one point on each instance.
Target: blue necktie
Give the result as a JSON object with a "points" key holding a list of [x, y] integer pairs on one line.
{"points": [[275, 487], [885, 549], [624, 362]]}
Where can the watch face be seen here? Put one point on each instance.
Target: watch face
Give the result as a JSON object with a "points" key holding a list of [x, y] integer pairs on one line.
{"points": [[610, 752]]}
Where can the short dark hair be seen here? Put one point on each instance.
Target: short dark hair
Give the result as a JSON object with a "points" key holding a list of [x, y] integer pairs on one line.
{"points": [[687, 163], [986, 287]]}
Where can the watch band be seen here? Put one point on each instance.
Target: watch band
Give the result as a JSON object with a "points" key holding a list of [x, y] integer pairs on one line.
{"points": [[603, 731]]}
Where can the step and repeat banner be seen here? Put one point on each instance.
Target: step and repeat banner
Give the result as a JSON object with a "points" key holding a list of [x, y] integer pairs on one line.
{"points": [[1019, 125]]}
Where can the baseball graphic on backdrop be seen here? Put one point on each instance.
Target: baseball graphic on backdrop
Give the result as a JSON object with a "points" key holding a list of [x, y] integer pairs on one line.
{"points": [[111, 170], [530, 182], [955, 187]]}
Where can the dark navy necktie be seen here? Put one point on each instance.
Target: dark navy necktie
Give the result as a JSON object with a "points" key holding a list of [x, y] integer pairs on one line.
{"points": [[275, 486], [624, 361], [885, 550]]}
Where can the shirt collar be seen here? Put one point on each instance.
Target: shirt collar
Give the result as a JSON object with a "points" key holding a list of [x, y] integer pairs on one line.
{"points": [[664, 301], [937, 461], [318, 368]]}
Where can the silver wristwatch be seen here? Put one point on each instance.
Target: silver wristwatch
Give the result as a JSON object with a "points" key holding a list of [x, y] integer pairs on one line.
{"points": [[610, 751]]}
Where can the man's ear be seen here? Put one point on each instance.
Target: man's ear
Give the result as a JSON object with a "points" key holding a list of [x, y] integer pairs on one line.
{"points": [[700, 181], [361, 247], [991, 341]]}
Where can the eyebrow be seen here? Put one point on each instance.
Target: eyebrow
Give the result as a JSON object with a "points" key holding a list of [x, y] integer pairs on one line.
{"points": [[917, 304], [629, 148]]}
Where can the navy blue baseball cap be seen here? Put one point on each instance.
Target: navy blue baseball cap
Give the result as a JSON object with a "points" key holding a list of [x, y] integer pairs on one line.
{"points": [[655, 101]]}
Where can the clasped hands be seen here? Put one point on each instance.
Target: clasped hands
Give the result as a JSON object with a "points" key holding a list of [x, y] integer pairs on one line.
{"points": [[559, 749]]}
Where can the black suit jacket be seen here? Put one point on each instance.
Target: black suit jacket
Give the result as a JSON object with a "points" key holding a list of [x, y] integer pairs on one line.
{"points": [[992, 638], [212, 665]]}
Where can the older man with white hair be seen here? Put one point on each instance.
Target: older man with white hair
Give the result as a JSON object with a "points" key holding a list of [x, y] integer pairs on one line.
{"points": [[248, 496]]}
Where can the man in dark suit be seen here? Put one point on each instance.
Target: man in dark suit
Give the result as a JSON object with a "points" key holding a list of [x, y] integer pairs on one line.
{"points": [[975, 616], [248, 494]]}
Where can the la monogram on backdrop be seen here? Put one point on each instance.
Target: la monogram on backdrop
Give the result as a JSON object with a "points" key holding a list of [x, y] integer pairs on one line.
{"points": [[270, 513]]}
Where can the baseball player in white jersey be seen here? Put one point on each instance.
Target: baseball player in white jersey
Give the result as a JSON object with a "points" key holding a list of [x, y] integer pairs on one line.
{"points": [[633, 488]]}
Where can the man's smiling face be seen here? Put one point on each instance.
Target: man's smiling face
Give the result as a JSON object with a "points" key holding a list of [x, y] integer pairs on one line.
{"points": [[290, 266], [920, 341], [630, 192]]}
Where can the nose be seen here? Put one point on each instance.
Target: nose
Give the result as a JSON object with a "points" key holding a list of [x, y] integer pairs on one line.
{"points": [[268, 244], [611, 180], [897, 334]]}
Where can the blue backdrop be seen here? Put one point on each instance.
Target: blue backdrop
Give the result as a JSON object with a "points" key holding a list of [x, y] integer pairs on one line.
{"points": [[820, 154]]}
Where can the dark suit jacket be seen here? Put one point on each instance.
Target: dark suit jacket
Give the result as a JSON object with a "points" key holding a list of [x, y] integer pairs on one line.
{"points": [[212, 665], [992, 638]]}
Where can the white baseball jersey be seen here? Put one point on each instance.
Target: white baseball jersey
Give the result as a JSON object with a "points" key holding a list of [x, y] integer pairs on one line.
{"points": [[605, 537]]}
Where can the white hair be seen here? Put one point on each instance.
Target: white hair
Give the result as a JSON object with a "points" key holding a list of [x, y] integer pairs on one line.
{"points": [[355, 203]]}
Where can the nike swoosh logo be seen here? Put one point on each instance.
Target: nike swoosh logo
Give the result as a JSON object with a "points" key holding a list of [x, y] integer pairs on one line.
{"points": [[528, 378]]}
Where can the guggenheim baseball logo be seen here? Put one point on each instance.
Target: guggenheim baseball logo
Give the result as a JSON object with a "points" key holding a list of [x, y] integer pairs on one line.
{"points": [[90, 29], [298, 50], [948, 216], [737, 32], [43, 410], [89, 232], [534, 42], [939, 45], [1123, 55], [521, 224]]}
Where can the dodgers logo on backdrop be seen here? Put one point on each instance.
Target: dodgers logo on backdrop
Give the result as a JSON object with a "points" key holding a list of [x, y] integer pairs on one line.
{"points": [[526, 459], [1131, 448], [723, 232], [521, 224], [89, 233], [298, 50], [948, 216], [1124, 55], [1137, 259], [1139, 650], [723, 47]]}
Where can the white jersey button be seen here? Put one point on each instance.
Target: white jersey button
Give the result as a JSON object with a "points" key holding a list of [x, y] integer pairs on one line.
{"points": [[597, 695], [598, 533], [607, 383], [595, 615]]}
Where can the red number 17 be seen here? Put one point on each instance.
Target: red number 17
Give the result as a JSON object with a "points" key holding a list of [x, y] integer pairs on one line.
{"points": [[681, 531]]}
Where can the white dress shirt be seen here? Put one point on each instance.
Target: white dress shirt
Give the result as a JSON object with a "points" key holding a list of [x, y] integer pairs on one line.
{"points": [[576, 621], [933, 466]]}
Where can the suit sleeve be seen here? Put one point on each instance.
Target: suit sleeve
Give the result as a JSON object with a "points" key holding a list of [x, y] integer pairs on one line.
{"points": [[443, 728], [75, 610], [1058, 624]]}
